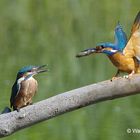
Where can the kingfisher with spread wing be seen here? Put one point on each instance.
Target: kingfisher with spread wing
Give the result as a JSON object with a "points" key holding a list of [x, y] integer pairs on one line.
{"points": [[124, 55], [25, 86]]}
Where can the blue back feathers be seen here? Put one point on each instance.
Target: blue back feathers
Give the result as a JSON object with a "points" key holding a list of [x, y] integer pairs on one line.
{"points": [[15, 89]]}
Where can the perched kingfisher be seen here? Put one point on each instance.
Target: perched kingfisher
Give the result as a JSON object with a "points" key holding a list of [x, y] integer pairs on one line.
{"points": [[25, 86], [124, 55]]}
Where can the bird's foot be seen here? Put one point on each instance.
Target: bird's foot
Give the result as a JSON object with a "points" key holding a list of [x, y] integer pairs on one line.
{"points": [[126, 76], [31, 103], [129, 76], [18, 109]]}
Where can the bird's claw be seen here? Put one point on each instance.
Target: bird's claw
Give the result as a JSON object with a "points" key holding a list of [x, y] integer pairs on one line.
{"points": [[126, 76], [129, 76]]}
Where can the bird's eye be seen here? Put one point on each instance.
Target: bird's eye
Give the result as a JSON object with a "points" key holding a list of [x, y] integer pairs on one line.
{"points": [[99, 47]]}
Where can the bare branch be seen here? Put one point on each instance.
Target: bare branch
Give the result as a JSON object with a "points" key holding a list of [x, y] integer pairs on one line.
{"points": [[66, 102]]}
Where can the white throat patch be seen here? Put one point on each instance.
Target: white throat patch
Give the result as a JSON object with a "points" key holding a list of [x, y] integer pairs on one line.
{"points": [[20, 80], [113, 51]]}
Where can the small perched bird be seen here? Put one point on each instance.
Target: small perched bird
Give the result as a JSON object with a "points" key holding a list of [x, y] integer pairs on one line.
{"points": [[124, 55], [25, 86]]}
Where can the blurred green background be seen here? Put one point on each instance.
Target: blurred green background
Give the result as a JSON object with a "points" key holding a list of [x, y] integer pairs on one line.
{"points": [[52, 32]]}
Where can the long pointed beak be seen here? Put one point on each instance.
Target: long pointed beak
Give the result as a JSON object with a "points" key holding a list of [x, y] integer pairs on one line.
{"points": [[41, 69], [86, 52]]}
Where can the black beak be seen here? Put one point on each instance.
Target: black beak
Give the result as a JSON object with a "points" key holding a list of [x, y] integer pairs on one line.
{"points": [[86, 52], [41, 69]]}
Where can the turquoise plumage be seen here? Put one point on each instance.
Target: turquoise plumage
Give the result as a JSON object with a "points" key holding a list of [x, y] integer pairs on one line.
{"points": [[25, 86], [124, 55], [118, 45]]}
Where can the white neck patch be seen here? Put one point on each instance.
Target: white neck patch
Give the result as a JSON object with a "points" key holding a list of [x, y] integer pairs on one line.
{"points": [[20, 80]]}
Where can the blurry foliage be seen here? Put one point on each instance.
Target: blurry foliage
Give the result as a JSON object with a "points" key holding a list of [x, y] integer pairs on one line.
{"points": [[52, 32]]}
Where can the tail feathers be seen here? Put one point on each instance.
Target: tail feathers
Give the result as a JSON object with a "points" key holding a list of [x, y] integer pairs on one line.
{"points": [[136, 24], [6, 110], [86, 52]]}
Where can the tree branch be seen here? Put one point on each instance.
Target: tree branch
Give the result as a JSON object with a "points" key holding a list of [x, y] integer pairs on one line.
{"points": [[66, 102]]}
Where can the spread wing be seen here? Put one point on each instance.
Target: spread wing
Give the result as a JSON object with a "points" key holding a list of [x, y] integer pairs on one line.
{"points": [[132, 48], [120, 38]]}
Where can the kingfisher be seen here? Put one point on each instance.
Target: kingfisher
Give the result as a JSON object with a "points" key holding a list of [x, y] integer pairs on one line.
{"points": [[25, 86], [125, 55]]}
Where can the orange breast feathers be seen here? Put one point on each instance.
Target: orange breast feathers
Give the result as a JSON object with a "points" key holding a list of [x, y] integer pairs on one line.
{"points": [[27, 90], [124, 63]]}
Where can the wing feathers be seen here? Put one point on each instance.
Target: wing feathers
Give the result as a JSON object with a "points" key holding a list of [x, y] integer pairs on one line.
{"points": [[136, 24], [132, 48]]}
